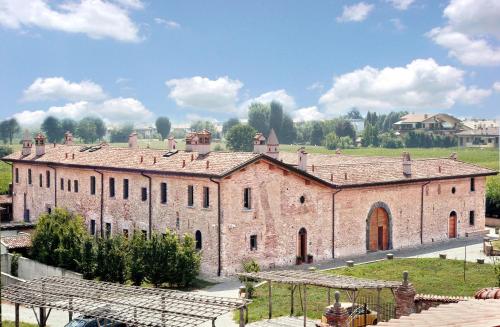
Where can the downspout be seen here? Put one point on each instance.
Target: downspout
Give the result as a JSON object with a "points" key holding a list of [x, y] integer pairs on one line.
{"points": [[55, 185], [102, 201], [422, 213], [333, 223], [150, 212], [219, 218], [11, 191]]}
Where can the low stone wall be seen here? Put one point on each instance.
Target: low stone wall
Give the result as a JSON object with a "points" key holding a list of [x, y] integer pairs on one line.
{"points": [[31, 269], [8, 279], [427, 301]]}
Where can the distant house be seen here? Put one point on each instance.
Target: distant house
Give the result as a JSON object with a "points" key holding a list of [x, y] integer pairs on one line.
{"points": [[439, 124], [470, 124], [481, 137]]}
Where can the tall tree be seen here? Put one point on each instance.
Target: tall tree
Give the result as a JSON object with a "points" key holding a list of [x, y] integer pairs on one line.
{"points": [[228, 124], [163, 126], [121, 133], [4, 131], [276, 117], [91, 129], [12, 128], [68, 125], [53, 129], [354, 114], [136, 258], [188, 263], [240, 137], [288, 130], [258, 117], [100, 127], [200, 125], [343, 127], [316, 134]]}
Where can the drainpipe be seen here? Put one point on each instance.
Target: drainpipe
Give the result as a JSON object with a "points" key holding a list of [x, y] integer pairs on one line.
{"points": [[333, 223], [422, 214], [150, 212], [219, 216], [102, 201], [55, 185]]}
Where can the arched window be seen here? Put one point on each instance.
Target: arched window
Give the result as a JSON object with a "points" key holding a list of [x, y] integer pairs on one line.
{"points": [[197, 237]]}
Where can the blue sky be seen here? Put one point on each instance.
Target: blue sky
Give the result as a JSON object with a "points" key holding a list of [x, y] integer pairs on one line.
{"points": [[135, 60]]}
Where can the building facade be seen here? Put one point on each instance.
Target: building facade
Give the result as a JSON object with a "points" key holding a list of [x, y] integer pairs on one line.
{"points": [[437, 124], [267, 205]]}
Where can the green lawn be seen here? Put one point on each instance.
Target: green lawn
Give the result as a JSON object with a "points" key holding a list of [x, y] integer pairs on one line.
{"points": [[8, 323], [430, 276], [5, 177]]}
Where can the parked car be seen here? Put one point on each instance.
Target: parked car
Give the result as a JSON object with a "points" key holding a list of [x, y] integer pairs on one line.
{"points": [[86, 321]]}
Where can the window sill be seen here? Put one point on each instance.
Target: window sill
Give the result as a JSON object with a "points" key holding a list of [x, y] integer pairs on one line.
{"points": [[248, 210], [207, 209], [191, 207]]}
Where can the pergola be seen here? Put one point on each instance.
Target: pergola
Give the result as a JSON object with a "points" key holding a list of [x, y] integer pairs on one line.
{"points": [[299, 278], [134, 306]]}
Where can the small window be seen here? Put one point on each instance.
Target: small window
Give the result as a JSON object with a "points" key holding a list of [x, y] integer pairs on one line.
{"points": [[190, 195], [439, 188], [40, 180], [472, 217], [144, 194], [453, 190], [247, 198], [108, 230], [206, 197], [17, 175], [30, 179], [253, 242], [472, 184], [302, 199], [47, 179], [111, 187], [125, 189], [92, 227], [163, 188], [198, 240], [69, 185], [144, 234], [125, 233], [92, 185], [62, 184], [75, 186]]}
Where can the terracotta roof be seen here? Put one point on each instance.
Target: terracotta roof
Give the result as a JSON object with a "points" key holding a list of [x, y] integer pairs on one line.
{"points": [[272, 139], [414, 118], [488, 293], [491, 131], [19, 241], [484, 313], [441, 298]]}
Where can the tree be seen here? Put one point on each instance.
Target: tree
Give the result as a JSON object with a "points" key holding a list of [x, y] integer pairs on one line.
{"points": [[188, 263], [240, 137], [171, 252], [228, 124], [354, 114], [288, 130], [258, 117], [200, 125], [156, 260], [370, 135], [87, 263], [391, 141], [136, 258], [332, 142], [53, 129], [121, 134], [116, 259], [4, 131], [9, 128], [316, 134], [69, 125], [163, 127], [91, 129], [276, 118]]}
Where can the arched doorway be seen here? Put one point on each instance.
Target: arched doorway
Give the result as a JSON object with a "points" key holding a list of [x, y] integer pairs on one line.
{"points": [[452, 225], [302, 244], [379, 228]]}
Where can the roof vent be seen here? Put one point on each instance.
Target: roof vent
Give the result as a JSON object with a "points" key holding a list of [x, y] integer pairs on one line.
{"points": [[183, 163], [453, 156], [142, 159], [154, 160], [73, 156], [208, 164]]}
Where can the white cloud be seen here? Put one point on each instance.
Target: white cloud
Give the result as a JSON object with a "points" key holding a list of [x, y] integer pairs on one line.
{"points": [[472, 32], [307, 114], [219, 95], [398, 25], [496, 86], [134, 4], [420, 85], [355, 13], [316, 86], [113, 111], [56, 88], [401, 4], [97, 19], [281, 96], [167, 23]]}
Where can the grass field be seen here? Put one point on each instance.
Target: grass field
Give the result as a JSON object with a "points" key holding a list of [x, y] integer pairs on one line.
{"points": [[8, 323], [429, 276]]}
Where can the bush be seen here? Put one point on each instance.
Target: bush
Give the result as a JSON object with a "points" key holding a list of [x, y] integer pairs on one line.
{"points": [[136, 258], [390, 141], [332, 142], [250, 266], [14, 265], [5, 150], [493, 197], [87, 263], [110, 259], [188, 263]]}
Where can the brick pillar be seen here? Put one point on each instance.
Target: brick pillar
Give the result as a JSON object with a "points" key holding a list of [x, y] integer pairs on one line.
{"points": [[336, 315], [405, 298]]}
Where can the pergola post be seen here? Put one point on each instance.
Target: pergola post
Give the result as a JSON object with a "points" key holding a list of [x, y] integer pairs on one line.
{"points": [[270, 299], [16, 314], [329, 296], [305, 305], [242, 317], [43, 319], [70, 309], [291, 301]]}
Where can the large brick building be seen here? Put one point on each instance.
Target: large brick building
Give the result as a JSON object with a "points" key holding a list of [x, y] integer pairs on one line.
{"points": [[267, 205]]}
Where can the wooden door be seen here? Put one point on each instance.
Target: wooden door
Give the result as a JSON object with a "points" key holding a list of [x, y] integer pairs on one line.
{"points": [[303, 243], [379, 230], [452, 226]]}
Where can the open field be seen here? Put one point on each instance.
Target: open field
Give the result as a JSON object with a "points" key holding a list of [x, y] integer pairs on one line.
{"points": [[8, 323], [429, 276]]}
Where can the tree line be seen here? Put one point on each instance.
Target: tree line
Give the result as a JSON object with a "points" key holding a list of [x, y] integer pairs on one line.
{"points": [[61, 240], [88, 129]]}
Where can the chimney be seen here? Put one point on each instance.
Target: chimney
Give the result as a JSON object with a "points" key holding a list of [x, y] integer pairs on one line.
{"points": [[406, 164], [68, 138], [259, 143], [302, 159], [453, 156], [40, 144], [27, 143], [199, 142], [273, 146], [171, 144], [132, 140]]}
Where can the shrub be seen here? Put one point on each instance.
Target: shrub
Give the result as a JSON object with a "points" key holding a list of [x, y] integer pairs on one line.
{"points": [[14, 265], [391, 141], [5, 150], [493, 197], [332, 142], [110, 259], [156, 263], [250, 266], [87, 263], [136, 258], [188, 262]]}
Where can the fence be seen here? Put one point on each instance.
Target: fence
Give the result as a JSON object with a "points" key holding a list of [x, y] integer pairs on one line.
{"points": [[367, 307]]}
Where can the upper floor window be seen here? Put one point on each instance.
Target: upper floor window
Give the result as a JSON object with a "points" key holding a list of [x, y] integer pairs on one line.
{"points": [[144, 194], [125, 189], [47, 178], [111, 187], [206, 197], [62, 184], [163, 188], [92, 227], [472, 217], [69, 185], [108, 230], [75, 186], [92, 185], [247, 198], [30, 179], [190, 195], [40, 180], [472, 184], [17, 175]]}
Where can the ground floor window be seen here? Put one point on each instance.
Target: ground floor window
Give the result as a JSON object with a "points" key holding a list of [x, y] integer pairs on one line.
{"points": [[253, 242], [198, 239], [92, 227], [108, 230], [472, 217]]}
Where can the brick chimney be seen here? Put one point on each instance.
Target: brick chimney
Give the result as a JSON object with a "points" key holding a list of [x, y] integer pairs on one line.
{"points": [[259, 143], [68, 138], [27, 143], [273, 145], [302, 159], [171, 144], [406, 164], [199, 142], [336, 315], [132, 140], [405, 298], [40, 144]]}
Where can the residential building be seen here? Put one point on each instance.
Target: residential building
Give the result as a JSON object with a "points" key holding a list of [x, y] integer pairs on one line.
{"points": [[439, 124], [480, 137]]}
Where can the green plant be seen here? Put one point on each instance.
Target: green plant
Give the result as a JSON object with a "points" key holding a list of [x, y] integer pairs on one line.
{"points": [[188, 262], [136, 258], [14, 265], [87, 263], [249, 266]]}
